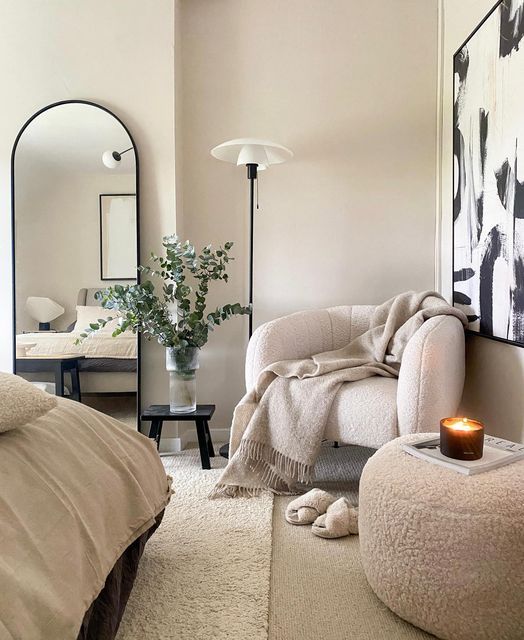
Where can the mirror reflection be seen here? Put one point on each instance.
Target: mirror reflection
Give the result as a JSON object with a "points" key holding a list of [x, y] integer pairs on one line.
{"points": [[75, 221]]}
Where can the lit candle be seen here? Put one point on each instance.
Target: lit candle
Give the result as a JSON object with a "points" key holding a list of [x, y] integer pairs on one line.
{"points": [[461, 438]]}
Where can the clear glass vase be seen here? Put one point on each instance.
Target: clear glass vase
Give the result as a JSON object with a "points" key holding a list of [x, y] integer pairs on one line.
{"points": [[182, 365]]}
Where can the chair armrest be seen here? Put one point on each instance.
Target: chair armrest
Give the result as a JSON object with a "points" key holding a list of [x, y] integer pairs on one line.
{"points": [[302, 335], [431, 378]]}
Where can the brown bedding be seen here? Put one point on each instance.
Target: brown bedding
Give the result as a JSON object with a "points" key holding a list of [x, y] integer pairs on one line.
{"points": [[80, 493], [103, 617]]}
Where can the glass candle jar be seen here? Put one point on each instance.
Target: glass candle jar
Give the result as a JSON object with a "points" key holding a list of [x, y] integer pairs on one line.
{"points": [[461, 438]]}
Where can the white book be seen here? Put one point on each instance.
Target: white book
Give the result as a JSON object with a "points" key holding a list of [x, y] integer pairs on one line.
{"points": [[497, 453]]}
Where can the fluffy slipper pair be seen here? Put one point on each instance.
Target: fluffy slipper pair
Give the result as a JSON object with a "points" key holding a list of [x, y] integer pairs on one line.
{"points": [[329, 517]]}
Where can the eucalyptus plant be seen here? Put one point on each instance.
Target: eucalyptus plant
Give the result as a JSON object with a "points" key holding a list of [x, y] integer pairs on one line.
{"points": [[177, 316]]}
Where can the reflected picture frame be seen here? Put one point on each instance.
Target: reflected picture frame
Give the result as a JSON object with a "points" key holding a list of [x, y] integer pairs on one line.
{"points": [[117, 236]]}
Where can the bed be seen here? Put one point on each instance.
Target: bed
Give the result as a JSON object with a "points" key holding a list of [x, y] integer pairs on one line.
{"points": [[80, 494]]}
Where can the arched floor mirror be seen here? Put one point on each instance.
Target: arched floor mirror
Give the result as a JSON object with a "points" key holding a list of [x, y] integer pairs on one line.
{"points": [[75, 221]]}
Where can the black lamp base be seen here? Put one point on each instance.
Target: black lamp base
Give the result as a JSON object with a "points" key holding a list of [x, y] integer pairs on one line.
{"points": [[44, 326], [224, 451]]}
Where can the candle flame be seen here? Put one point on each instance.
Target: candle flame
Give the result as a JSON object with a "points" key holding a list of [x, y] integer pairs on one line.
{"points": [[463, 425]]}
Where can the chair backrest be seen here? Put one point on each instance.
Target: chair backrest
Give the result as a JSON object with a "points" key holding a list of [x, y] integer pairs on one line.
{"points": [[348, 323], [303, 334]]}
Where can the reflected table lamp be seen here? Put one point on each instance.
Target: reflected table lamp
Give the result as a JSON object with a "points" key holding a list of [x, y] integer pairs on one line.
{"points": [[43, 310]]}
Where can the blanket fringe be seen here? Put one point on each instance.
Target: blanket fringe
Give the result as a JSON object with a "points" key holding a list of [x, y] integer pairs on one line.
{"points": [[232, 491], [235, 491], [274, 463], [274, 471]]}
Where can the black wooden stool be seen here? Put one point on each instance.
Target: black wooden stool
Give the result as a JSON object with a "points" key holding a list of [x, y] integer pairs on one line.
{"points": [[157, 413], [58, 366]]}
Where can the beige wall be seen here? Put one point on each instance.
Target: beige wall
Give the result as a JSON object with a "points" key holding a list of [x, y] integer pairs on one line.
{"points": [[121, 55], [350, 86], [495, 371]]}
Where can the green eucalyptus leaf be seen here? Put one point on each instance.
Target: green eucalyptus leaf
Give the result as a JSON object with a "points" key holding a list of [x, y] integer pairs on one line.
{"points": [[175, 316]]}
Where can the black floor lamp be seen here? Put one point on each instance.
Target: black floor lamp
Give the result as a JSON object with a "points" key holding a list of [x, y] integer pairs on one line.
{"points": [[256, 155]]}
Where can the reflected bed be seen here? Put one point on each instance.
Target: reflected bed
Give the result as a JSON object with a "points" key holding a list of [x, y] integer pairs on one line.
{"points": [[109, 364]]}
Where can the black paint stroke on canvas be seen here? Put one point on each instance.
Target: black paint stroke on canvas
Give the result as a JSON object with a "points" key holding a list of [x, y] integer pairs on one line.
{"points": [[494, 250], [511, 27]]}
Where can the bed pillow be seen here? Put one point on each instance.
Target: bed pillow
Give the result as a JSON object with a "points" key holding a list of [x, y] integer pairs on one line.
{"points": [[85, 315], [21, 402]]}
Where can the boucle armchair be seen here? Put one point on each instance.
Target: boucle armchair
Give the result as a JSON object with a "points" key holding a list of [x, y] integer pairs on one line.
{"points": [[373, 411]]}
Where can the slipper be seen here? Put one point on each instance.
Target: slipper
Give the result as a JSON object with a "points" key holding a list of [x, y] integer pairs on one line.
{"points": [[341, 519], [307, 508]]}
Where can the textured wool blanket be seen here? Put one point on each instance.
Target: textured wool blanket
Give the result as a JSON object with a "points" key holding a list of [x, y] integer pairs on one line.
{"points": [[278, 426], [76, 489]]}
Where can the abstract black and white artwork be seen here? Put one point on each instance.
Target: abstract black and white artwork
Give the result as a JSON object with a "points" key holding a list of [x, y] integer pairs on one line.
{"points": [[488, 143]]}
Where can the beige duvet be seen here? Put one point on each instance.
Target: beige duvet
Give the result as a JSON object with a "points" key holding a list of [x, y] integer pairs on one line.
{"points": [[101, 345], [76, 488]]}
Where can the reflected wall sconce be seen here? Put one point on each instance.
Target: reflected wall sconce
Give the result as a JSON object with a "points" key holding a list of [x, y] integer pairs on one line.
{"points": [[256, 155], [112, 159]]}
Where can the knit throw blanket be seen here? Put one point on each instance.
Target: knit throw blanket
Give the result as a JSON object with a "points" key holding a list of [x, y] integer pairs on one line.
{"points": [[278, 426]]}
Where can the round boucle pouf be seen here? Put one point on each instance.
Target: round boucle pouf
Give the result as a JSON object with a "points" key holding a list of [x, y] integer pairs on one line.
{"points": [[443, 550]]}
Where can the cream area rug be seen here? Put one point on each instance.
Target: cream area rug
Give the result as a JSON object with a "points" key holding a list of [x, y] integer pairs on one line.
{"points": [[235, 569], [205, 572], [318, 587]]}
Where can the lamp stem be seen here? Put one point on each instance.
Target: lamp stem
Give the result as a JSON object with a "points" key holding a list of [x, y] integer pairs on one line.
{"points": [[252, 176]]}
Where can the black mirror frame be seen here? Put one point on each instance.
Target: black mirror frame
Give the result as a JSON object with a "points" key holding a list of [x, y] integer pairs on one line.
{"points": [[13, 232]]}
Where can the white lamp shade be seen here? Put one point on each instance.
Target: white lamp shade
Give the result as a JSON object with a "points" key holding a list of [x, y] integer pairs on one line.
{"points": [[43, 309], [109, 160], [252, 151]]}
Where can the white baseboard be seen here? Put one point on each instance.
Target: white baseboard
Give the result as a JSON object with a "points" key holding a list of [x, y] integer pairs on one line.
{"points": [[176, 445], [170, 445]]}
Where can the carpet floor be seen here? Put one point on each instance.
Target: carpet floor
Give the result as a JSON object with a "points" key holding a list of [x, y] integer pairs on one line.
{"points": [[235, 569], [318, 587], [205, 572]]}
